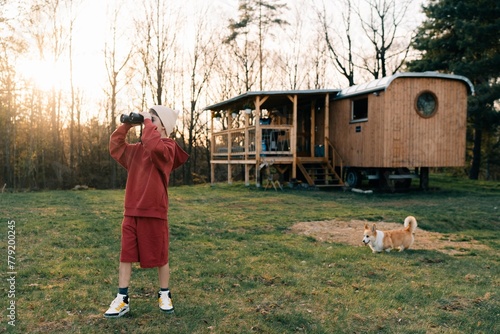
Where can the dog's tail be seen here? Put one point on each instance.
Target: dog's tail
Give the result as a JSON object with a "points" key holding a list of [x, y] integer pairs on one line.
{"points": [[411, 223]]}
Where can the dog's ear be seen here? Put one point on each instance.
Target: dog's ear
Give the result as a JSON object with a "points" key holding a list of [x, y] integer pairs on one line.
{"points": [[366, 226], [374, 228]]}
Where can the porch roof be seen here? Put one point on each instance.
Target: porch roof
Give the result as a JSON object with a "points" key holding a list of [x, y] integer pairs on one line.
{"points": [[382, 83], [276, 97]]}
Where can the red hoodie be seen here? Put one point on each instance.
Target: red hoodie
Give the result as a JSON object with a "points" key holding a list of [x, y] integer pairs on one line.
{"points": [[149, 164]]}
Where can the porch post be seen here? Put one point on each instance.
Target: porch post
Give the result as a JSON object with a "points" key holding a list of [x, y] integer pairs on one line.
{"points": [[293, 137], [229, 146], [312, 144], [258, 141], [327, 126], [212, 148], [247, 148]]}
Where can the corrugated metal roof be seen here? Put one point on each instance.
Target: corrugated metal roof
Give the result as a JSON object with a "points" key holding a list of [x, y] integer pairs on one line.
{"points": [[244, 97], [365, 88], [383, 83]]}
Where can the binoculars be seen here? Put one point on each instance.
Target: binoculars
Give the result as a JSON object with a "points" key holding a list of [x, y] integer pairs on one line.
{"points": [[132, 118]]}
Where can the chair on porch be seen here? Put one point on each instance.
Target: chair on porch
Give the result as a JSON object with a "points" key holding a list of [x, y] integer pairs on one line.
{"points": [[272, 178]]}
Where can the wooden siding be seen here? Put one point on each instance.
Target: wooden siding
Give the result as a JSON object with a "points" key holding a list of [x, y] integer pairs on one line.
{"points": [[395, 135]]}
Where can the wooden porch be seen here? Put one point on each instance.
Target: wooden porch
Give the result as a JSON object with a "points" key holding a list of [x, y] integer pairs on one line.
{"points": [[285, 132]]}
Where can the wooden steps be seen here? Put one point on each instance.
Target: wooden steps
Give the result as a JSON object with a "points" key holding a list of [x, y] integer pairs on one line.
{"points": [[319, 173]]}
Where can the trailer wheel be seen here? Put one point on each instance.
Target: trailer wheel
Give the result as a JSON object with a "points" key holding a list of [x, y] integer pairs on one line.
{"points": [[353, 178]]}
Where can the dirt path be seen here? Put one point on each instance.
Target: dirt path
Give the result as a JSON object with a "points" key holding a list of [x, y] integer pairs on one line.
{"points": [[351, 233]]}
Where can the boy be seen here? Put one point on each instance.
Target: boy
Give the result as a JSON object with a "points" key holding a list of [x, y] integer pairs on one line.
{"points": [[145, 236]]}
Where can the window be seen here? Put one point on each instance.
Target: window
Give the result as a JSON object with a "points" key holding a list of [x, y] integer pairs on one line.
{"points": [[359, 110], [426, 104]]}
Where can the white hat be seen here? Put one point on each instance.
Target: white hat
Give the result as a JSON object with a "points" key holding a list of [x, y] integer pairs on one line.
{"points": [[167, 116]]}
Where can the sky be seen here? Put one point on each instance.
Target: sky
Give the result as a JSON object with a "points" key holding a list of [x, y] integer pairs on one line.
{"points": [[90, 33], [91, 27], [92, 23]]}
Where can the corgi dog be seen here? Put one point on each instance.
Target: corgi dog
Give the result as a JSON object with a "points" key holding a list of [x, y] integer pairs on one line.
{"points": [[387, 240]]}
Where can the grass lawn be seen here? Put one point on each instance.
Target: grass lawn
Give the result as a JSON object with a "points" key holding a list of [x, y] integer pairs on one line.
{"points": [[236, 268]]}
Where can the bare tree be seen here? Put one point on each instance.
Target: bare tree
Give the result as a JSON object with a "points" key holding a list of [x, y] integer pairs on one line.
{"points": [[48, 27], [157, 38], [74, 103], [341, 48], [116, 65], [381, 26], [7, 113], [268, 15], [11, 46], [318, 65], [202, 61], [292, 61]]}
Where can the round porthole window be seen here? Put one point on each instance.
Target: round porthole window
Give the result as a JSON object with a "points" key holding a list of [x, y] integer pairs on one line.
{"points": [[426, 104]]}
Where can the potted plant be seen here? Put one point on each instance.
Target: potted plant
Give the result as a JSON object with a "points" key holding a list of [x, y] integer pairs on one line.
{"points": [[216, 115], [248, 107]]}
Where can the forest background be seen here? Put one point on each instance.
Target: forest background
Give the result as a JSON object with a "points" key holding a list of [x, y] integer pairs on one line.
{"points": [[69, 68]]}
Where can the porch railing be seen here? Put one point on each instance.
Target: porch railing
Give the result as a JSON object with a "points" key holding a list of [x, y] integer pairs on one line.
{"points": [[241, 143], [334, 159]]}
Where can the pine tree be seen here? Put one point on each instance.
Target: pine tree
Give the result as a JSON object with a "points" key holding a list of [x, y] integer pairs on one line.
{"points": [[461, 37], [260, 15]]}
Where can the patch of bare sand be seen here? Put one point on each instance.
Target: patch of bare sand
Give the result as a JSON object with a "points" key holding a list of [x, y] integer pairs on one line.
{"points": [[351, 233]]}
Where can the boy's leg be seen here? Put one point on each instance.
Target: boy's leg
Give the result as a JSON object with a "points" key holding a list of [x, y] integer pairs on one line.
{"points": [[129, 253], [124, 274], [164, 296], [120, 305], [164, 276]]}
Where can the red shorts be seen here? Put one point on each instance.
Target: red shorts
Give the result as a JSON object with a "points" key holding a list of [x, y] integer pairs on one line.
{"points": [[144, 240]]}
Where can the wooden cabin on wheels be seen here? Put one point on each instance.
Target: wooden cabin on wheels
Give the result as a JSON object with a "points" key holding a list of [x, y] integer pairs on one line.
{"points": [[387, 131]]}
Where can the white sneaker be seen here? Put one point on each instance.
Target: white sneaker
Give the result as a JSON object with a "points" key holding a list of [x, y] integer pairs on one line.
{"points": [[118, 307], [165, 301]]}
